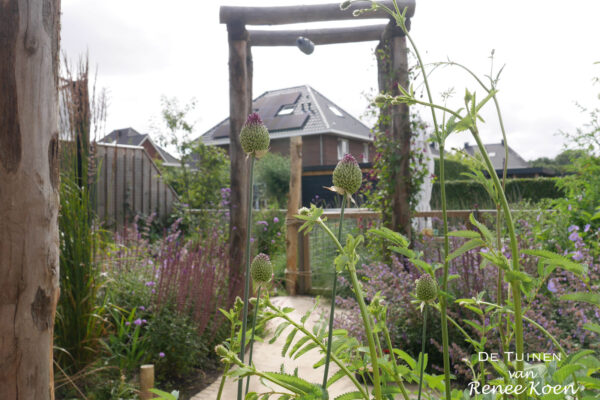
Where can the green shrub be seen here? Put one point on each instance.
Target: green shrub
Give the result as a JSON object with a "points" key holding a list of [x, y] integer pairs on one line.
{"points": [[453, 169], [273, 170], [465, 194]]}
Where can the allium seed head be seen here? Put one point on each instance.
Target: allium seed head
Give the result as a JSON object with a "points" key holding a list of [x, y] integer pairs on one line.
{"points": [[347, 175], [254, 136], [261, 269], [426, 288]]}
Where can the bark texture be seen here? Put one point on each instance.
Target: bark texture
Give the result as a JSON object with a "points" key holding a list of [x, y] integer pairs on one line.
{"points": [[29, 183], [240, 103]]}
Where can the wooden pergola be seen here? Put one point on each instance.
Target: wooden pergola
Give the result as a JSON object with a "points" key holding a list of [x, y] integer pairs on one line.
{"points": [[392, 70]]}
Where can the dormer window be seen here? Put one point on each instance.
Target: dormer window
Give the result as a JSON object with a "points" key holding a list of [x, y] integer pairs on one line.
{"points": [[286, 110], [336, 111]]}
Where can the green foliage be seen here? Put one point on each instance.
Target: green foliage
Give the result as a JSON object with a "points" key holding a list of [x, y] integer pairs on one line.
{"points": [[125, 346], [173, 343], [453, 169], [467, 194], [202, 171], [269, 231], [273, 170], [562, 163]]}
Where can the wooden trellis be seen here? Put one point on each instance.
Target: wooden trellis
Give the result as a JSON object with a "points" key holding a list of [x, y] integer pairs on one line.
{"points": [[241, 41]]}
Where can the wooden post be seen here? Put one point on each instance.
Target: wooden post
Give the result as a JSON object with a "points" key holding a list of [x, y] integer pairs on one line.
{"points": [[239, 108], [29, 190], [292, 224], [393, 70], [146, 381]]}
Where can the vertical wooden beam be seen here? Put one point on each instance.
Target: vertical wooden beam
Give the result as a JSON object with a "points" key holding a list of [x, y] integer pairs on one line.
{"points": [[239, 108], [392, 63], [401, 133], [146, 381], [292, 224]]}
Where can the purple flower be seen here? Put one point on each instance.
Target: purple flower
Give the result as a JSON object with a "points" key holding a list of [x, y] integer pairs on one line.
{"points": [[273, 241], [578, 256], [265, 223], [552, 286], [251, 240], [265, 229], [587, 227], [574, 236], [150, 283], [141, 308], [569, 207], [161, 354], [275, 219], [573, 228], [127, 323], [278, 233], [138, 322]]}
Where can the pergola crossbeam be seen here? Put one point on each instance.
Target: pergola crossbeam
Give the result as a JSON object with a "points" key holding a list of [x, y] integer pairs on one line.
{"points": [[317, 36], [305, 13]]}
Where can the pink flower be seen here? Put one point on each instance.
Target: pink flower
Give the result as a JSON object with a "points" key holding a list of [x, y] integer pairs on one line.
{"points": [[161, 354], [275, 219]]}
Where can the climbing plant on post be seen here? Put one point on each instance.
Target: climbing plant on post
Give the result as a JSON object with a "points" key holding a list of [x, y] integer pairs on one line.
{"points": [[29, 185]]}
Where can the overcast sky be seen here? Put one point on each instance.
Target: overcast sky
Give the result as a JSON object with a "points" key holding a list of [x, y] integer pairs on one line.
{"points": [[177, 48]]}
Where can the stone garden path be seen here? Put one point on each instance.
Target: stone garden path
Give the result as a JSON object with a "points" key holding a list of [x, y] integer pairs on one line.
{"points": [[267, 357]]}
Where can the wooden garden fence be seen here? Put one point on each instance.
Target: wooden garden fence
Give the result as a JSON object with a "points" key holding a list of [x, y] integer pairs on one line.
{"points": [[128, 184]]}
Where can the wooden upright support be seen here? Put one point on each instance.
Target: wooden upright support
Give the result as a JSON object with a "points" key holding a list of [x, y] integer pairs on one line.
{"points": [[292, 224], [240, 104], [393, 71]]}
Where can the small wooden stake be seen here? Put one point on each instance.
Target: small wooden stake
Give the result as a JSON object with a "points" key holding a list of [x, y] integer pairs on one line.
{"points": [[146, 381]]}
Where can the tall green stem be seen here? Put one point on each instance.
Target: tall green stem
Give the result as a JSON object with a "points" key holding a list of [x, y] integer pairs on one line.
{"points": [[515, 285], [423, 339], [252, 335], [333, 294], [247, 275], [363, 313]]}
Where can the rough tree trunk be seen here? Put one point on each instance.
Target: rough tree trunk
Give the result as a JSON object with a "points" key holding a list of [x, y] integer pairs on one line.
{"points": [[392, 64], [29, 183], [240, 70]]}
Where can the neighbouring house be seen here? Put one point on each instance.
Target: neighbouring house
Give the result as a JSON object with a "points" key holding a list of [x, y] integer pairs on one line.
{"points": [[327, 130], [131, 137], [516, 166]]}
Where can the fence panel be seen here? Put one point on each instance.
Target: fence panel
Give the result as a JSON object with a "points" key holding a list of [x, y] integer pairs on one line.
{"points": [[129, 184]]}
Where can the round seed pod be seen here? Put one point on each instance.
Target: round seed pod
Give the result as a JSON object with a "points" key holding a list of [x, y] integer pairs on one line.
{"points": [[254, 136], [261, 269], [347, 176], [426, 288]]}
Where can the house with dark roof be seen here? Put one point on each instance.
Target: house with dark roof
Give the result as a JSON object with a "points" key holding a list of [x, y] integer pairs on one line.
{"points": [[516, 166], [328, 131], [131, 137]]}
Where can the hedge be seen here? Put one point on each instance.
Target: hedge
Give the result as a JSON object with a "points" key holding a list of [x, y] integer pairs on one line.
{"points": [[466, 194], [452, 169]]}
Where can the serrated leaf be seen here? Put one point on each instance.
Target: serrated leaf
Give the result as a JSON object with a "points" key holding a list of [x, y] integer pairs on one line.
{"points": [[350, 396], [470, 245], [335, 377], [562, 373], [485, 232], [551, 258], [278, 331], [465, 234], [293, 383], [404, 356], [306, 348], [408, 253], [390, 235], [586, 297], [520, 276], [288, 341], [592, 327], [299, 344]]}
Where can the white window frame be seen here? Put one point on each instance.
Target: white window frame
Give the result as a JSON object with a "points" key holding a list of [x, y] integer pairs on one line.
{"points": [[365, 154], [343, 148]]}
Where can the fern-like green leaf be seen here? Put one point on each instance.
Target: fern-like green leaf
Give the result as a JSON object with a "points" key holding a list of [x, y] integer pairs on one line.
{"points": [[306, 348], [288, 341], [350, 396], [299, 344], [470, 245], [591, 298]]}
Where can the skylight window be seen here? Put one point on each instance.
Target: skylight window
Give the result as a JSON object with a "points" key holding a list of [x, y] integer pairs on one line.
{"points": [[286, 110], [336, 111]]}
